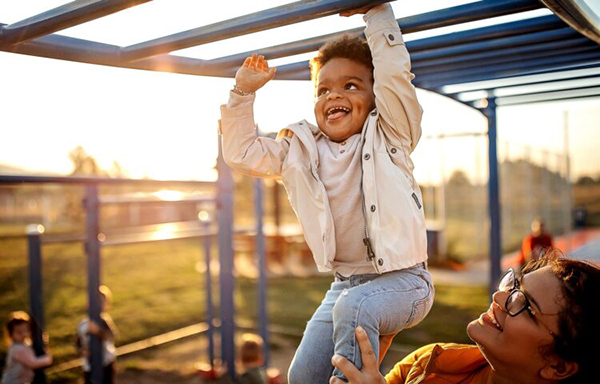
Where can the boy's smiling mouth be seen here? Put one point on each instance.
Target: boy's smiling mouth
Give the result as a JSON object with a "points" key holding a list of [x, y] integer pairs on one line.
{"points": [[336, 113]]}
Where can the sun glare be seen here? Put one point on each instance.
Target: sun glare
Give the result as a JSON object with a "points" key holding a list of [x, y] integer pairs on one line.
{"points": [[169, 195], [166, 231]]}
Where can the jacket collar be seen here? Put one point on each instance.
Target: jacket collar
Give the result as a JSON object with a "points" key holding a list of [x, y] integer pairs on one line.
{"points": [[306, 133]]}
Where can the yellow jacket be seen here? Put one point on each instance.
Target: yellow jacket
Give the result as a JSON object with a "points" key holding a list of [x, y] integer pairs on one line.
{"points": [[444, 363]]}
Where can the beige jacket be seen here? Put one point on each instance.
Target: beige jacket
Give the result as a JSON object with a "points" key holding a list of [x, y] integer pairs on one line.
{"points": [[395, 229]]}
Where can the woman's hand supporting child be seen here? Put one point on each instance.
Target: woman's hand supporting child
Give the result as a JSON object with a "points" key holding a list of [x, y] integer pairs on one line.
{"points": [[253, 74]]}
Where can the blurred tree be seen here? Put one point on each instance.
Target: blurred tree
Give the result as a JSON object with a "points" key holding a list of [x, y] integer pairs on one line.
{"points": [[84, 164], [587, 180], [459, 179], [117, 170]]}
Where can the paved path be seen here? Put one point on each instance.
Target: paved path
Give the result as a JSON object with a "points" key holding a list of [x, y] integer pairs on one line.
{"points": [[581, 244], [590, 251]]}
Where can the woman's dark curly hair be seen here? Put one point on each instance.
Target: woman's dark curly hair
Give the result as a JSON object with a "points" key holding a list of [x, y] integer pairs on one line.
{"points": [[579, 331], [347, 46]]}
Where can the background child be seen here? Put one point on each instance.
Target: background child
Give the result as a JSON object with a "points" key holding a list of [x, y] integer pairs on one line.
{"points": [[21, 359], [252, 359], [351, 185], [105, 331]]}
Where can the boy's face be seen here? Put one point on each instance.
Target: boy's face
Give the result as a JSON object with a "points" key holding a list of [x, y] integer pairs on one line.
{"points": [[344, 98]]}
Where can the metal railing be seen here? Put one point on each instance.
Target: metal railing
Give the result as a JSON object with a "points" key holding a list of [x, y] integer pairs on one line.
{"points": [[94, 240]]}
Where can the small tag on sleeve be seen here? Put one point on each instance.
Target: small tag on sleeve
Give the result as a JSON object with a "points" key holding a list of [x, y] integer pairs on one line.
{"points": [[393, 37]]}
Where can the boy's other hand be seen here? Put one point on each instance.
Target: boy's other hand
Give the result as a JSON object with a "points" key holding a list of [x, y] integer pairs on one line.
{"points": [[253, 74]]}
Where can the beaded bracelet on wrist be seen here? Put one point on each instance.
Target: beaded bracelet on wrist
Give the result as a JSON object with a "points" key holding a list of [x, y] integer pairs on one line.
{"points": [[238, 91]]}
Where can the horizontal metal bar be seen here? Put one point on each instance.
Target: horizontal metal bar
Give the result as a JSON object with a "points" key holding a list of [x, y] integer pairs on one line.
{"points": [[301, 71], [281, 50], [62, 17], [294, 71], [478, 10], [514, 28], [63, 238], [514, 69], [135, 238], [151, 199], [557, 85], [17, 179], [67, 48], [454, 135], [136, 346], [420, 49], [85, 51], [506, 56], [489, 48], [426, 21], [549, 96], [522, 80], [255, 22]]}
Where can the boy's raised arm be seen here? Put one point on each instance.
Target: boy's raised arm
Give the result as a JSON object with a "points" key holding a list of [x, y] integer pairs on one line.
{"points": [[395, 96], [242, 150]]}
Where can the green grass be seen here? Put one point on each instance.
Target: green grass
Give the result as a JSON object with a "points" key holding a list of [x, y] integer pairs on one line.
{"points": [[157, 288], [453, 308]]}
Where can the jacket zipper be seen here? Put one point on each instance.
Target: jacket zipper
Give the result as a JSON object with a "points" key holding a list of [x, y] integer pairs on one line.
{"points": [[313, 172], [366, 240]]}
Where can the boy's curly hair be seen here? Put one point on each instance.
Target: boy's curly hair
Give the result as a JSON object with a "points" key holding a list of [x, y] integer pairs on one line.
{"points": [[348, 46]]}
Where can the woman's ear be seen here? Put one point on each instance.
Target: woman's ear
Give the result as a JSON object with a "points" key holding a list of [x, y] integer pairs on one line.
{"points": [[557, 369]]}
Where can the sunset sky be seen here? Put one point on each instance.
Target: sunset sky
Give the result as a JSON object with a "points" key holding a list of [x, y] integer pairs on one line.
{"points": [[164, 125]]}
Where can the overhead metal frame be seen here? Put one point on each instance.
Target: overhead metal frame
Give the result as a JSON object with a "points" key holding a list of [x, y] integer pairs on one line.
{"points": [[534, 51], [529, 46]]}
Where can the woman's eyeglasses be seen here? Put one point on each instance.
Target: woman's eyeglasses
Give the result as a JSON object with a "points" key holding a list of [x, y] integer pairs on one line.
{"points": [[517, 301]]}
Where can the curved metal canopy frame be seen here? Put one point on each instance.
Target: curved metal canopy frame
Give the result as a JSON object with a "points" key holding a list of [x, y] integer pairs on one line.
{"points": [[545, 44]]}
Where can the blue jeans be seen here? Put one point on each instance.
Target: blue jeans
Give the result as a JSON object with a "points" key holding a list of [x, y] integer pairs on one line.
{"points": [[382, 304]]}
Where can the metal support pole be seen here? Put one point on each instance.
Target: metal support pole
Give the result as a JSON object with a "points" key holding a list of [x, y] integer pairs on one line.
{"points": [[209, 299], [225, 188], [568, 213], [546, 192], [262, 269], [493, 195], [92, 247], [36, 305], [277, 208]]}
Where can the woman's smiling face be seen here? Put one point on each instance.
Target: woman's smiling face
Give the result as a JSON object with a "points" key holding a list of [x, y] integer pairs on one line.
{"points": [[344, 98], [515, 344]]}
